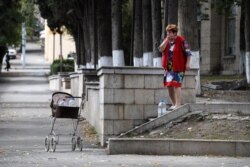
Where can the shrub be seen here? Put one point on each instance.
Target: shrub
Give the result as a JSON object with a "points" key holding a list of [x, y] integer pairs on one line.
{"points": [[67, 66]]}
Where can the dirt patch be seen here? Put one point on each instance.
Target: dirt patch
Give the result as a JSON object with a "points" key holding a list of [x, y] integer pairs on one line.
{"points": [[229, 89], [210, 126], [90, 136]]}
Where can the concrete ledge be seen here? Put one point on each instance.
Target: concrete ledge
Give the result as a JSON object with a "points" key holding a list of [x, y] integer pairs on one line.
{"points": [[178, 147], [170, 116], [219, 107]]}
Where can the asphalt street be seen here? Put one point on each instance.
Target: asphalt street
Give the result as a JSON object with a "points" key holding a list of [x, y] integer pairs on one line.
{"points": [[25, 122]]}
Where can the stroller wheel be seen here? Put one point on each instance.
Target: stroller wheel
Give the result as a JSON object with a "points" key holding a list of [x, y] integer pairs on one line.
{"points": [[79, 143], [53, 144], [73, 142], [47, 143]]}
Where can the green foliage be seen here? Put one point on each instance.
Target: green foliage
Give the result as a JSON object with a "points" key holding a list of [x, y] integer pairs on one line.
{"points": [[55, 11], [224, 6], [67, 66], [31, 16], [10, 19]]}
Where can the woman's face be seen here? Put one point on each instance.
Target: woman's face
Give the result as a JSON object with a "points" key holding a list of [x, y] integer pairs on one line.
{"points": [[171, 35]]}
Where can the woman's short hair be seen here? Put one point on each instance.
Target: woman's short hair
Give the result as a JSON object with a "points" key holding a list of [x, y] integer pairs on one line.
{"points": [[172, 27]]}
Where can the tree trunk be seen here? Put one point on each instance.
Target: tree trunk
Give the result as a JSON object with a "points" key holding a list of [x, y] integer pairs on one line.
{"points": [[137, 49], [86, 34], [247, 38], [157, 27], [188, 28], [104, 32], [172, 11], [117, 51], [78, 14], [147, 33], [165, 19], [82, 58], [92, 32]]}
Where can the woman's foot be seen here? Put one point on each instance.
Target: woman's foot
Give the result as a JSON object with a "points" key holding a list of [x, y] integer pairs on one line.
{"points": [[171, 108]]}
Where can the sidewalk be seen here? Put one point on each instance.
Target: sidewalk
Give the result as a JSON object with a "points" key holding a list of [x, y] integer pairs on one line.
{"points": [[25, 122]]}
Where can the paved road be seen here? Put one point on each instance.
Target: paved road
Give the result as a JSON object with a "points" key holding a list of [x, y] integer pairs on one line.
{"points": [[25, 121]]}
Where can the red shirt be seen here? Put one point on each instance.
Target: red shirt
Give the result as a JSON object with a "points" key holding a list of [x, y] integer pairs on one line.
{"points": [[179, 59]]}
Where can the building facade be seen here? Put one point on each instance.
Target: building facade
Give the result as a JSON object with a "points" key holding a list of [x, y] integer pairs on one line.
{"points": [[220, 41]]}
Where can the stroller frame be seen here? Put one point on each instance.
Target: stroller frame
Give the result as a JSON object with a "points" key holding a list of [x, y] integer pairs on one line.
{"points": [[67, 112]]}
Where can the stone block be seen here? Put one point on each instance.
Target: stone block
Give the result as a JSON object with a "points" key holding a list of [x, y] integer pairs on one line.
{"points": [[104, 139], [144, 96], [138, 122], [133, 146], [189, 82], [74, 84], [112, 81], [122, 126], [66, 83], [161, 94], [107, 126], [134, 81], [243, 149], [188, 96], [110, 111], [133, 112], [106, 96], [150, 111], [124, 96], [154, 81], [196, 147]]}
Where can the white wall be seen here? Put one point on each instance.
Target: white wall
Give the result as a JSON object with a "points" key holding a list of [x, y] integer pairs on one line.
{"points": [[68, 45]]}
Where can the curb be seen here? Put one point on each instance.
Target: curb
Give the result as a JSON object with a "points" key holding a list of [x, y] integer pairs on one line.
{"points": [[24, 104], [179, 147]]}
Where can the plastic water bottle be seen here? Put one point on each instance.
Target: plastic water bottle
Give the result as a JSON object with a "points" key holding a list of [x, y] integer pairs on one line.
{"points": [[72, 102], [162, 108]]}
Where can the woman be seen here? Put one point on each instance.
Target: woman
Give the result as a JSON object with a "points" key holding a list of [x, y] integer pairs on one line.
{"points": [[175, 61], [7, 60]]}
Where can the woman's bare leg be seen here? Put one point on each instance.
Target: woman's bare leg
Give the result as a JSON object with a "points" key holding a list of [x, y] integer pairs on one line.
{"points": [[172, 95], [178, 96]]}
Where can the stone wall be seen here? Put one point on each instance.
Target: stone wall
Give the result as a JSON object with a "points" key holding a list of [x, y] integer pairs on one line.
{"points": [[128, 97], [59, 82]]}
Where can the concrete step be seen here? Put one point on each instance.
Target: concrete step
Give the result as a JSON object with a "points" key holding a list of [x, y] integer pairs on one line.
{"points": [[154, 123], [19, 105], [25, 73]]}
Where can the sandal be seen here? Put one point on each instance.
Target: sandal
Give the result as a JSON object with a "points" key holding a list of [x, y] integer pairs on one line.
{"points": [[171, 108]]}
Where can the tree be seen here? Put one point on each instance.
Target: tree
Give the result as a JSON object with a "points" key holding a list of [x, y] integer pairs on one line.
{"points": [[170, 14], [31, 14], [165, 18], [247, 39], [156, 27], [173, 11], [11, 19], [127, 23], [116, 15], [188, 28], [137, 39], [104, 32], [78, 15], [147, 33]]}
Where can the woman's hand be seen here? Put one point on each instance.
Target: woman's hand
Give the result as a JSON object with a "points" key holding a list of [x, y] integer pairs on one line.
{"points": [[187, 67], [163, 45]]}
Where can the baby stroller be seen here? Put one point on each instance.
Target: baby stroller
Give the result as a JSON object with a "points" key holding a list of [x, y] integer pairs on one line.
{"points": [[64, 105]]}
